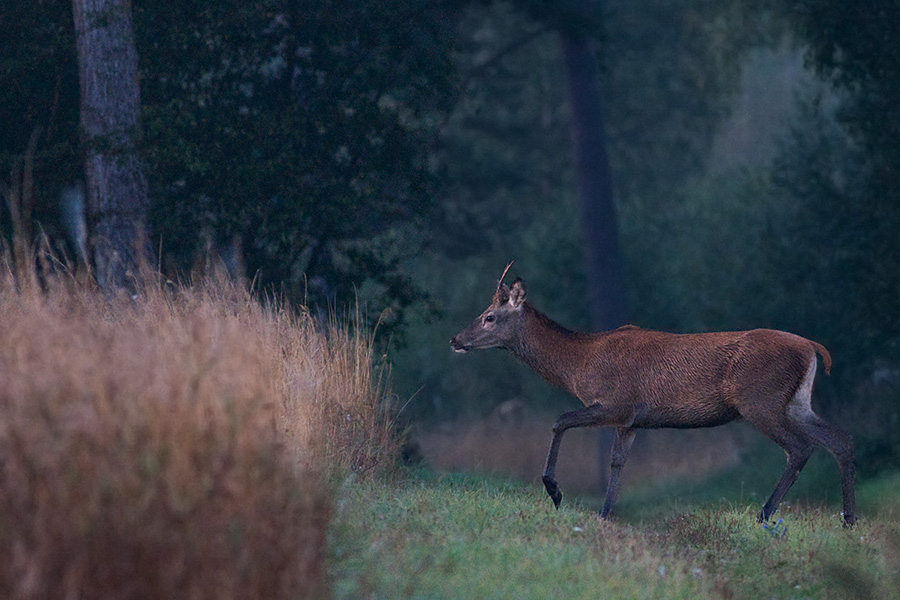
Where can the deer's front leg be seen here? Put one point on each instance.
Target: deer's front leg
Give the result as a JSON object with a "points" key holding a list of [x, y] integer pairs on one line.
{"points": [[594, 414], [550, 468], [624, 439]]}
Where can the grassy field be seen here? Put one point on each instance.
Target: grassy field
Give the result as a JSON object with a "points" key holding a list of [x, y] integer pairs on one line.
{"points": [[429, 535]]}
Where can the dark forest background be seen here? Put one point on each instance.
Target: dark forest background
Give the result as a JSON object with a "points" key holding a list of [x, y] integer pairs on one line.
{"points": [[735, 165]]}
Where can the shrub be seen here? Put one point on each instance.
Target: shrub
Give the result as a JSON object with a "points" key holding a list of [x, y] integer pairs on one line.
{"points": [[174, 444]]}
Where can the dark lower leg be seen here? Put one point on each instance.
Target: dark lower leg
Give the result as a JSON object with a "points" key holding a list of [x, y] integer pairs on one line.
{"points": [[839, 443], [848, 474], [796, 461], [621, 445], [550, 469]]}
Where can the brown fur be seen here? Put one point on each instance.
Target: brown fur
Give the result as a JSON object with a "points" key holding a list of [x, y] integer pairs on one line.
{"points": [[632, 378]]}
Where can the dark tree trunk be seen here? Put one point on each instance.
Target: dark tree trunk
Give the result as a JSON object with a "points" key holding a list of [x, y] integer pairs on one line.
{"points": [[599, 224], [598, 213], [110, 110]]}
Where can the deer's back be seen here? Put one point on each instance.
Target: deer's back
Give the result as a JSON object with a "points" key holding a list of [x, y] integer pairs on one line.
{"points": [[691, 380]]}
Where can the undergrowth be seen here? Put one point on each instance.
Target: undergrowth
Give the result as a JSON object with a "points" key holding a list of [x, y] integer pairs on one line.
{"points": [[174, 443]]}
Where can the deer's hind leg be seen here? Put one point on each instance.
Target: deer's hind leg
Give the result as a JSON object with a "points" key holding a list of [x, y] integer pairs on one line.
{"points": [[798, 429], [798, 448], [840, 445], [834, 439], [784, 430]]}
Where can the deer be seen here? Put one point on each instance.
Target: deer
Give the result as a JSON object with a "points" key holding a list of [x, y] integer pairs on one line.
{"points": [[632, 378]]}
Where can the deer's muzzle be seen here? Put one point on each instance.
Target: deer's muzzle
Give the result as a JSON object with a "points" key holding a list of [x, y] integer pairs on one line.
{"points": [[458, 347]]}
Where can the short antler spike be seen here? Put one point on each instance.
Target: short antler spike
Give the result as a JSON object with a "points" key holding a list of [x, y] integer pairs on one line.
{"points": [[502, 277]]}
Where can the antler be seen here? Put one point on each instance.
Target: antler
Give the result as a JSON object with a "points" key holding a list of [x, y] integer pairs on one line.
{"points": [[502, 277]]}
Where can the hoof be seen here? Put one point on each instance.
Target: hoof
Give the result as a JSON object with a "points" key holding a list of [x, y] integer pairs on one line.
{"points": [[552, 490], [849, 521]]}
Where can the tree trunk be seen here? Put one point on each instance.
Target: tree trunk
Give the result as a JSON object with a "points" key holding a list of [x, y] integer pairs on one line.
{"points": [[598, 212], [110, 120], [599, 224]]}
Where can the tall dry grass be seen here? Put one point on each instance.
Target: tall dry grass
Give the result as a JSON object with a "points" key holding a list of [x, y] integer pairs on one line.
{"points": [[176, 444]]}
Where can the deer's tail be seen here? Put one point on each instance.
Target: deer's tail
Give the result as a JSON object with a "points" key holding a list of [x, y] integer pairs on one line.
{"points": [[826, 357]]}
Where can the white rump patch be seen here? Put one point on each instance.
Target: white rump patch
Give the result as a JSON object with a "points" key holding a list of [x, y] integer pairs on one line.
{"points": [[800, 406]]}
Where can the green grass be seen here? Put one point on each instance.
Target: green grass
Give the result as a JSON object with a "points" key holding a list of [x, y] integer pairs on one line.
{"points": [[425, 535], [748, 483]]}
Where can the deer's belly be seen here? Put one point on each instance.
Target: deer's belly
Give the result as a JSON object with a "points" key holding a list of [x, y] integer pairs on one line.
{"points": [[684, 417]]}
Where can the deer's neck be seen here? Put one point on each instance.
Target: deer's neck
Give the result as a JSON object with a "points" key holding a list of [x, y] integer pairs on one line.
{"points": [[550, 349]]}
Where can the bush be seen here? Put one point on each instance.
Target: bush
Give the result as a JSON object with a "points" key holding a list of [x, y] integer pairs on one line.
{"points": [[175, 444]]}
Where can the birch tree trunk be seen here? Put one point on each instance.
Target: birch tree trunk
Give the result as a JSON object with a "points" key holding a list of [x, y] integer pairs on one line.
{"points": [[117, 198], [599, 222]]}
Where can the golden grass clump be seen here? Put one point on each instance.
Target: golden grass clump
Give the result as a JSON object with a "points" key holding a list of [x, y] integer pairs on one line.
{"points": [[174, 445], [335, 376]]}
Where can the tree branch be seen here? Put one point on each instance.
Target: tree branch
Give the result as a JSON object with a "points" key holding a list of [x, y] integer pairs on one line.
{"points": [[479, 69]]}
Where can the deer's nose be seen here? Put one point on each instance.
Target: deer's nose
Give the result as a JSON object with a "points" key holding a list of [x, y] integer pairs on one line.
{"points": [[457, 347]]}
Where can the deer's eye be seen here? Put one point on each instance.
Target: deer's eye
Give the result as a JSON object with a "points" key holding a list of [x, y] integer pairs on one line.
{"points": [[489, 319]]}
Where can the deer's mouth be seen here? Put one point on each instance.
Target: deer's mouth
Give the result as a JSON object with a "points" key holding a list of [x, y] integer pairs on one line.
{"points": [[458, 347]]}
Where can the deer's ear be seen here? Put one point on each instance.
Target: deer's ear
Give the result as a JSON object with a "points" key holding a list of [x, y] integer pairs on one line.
{"points": [[517, 293]]}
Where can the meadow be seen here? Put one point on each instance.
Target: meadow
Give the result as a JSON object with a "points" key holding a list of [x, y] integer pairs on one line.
{"points": [[424, 534], [197, 441]]}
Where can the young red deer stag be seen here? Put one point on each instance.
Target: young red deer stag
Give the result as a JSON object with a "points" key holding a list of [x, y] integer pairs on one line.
{"points": [[632, 378]]}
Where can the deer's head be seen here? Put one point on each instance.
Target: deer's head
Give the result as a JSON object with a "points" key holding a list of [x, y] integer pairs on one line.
{"points": [[500, 324]]}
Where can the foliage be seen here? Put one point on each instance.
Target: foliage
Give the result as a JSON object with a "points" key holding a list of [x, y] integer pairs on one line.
{"points": [[506, 148], [39, 96], [857, 50], [673, 71], [503, 151], [298, 130], [857, 192], [301, 128]]}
